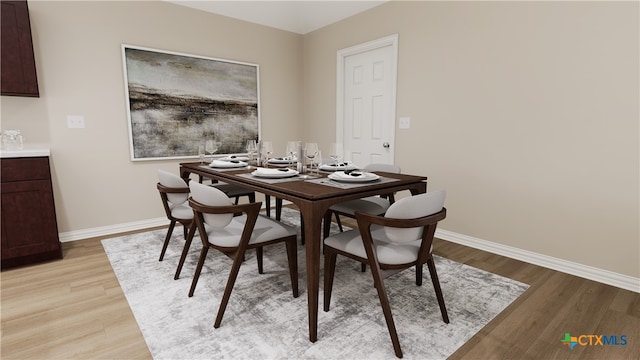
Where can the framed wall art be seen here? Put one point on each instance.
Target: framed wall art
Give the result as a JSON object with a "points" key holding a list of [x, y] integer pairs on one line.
{"points": [[175, 101]]}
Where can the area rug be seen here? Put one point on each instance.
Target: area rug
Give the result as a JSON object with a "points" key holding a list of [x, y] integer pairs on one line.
{"points": [[264, 321]]}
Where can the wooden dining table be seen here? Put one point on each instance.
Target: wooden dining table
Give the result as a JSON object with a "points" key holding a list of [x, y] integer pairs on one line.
{"points": [[313, 194]]}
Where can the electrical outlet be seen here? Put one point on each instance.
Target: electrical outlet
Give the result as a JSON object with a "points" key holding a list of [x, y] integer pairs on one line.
{"points": [[404, 123], [75, 121]]}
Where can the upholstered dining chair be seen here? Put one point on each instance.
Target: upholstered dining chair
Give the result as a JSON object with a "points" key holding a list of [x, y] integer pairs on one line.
{"points": [[400, 239], [174, 193], [374, 205], [233, 191], [233, 235]]}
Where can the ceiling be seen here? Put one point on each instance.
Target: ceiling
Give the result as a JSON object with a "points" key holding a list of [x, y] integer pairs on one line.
{"points": [[299, 16]]}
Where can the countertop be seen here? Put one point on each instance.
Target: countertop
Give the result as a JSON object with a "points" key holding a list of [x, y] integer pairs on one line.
{"points": [[29, 150]]}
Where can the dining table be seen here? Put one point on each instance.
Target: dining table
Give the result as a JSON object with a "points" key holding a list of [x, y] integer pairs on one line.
{"points": [[313, 193]]}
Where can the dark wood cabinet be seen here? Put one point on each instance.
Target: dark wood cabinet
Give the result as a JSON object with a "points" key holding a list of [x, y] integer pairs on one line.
{"points": [[18, 65], [29, 228]]}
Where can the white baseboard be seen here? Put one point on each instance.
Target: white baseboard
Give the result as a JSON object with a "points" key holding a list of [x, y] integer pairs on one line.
{"points": [[112, 229], [584, 271]]}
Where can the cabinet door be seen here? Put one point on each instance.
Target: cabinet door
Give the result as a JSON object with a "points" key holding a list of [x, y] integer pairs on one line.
{"points": [[29, 228], [18, 65]]}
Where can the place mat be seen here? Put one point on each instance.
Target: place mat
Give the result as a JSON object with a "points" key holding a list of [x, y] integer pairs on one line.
{"points": [[345, 185]]}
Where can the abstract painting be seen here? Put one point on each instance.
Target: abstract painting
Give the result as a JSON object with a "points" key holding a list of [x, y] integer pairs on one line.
{"points": [[176, 101]]}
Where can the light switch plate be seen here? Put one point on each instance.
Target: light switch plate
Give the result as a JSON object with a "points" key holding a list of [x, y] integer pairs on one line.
{"points": [[404, 123], [75, 121]]}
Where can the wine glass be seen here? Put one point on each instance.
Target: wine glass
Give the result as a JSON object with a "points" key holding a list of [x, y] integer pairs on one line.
{"points": [[267, 150], [336, 153], [292, 149], [251, 148], [211, 146], [201, 153], [310, 153]]}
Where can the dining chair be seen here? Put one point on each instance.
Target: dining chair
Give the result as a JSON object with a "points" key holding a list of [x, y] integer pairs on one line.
{"points": [[174, 193], [400, 239], [375, 205], [233, 235], [232, 191]]}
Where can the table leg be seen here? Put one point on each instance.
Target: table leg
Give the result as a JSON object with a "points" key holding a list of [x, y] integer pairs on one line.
{"points": [[312, 231]]}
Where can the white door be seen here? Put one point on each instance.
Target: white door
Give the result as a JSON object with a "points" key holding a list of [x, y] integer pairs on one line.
{"points": [[366, 101]]}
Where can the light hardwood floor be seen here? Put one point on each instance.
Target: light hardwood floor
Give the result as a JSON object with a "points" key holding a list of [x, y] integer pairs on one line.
{"points": [[75, 309]]}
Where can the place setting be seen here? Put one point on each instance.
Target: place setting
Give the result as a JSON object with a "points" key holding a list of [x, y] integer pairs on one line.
{"points": [[353, 176], [233, 161], [228, 164], [274, 173]]}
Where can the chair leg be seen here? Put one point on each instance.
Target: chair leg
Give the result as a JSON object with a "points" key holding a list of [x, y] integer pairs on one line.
{"points": [[326, 224], [185, 250], [233, 275], [301, 230], [237, 200], [184, 230], [363, 267], [292, 257], [267, 205], [278, 208], [418, 275], [329, 271], [259, 253], [339, 222], [386, 308], [194, 282], [167, 238], [436, 285], [252, 197]]}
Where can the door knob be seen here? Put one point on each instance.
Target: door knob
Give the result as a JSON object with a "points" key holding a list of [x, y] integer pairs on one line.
{"points": [[385, 145]]}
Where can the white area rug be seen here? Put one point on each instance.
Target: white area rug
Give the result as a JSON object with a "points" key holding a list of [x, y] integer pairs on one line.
{"points": [[264, 321]]}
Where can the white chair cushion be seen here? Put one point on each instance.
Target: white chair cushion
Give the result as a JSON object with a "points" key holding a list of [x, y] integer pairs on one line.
{"points": [[390, 168], [265, 229], [388, 253], [181, 211], [173, 181], [210, 196], [410, 208], [373, 205]]}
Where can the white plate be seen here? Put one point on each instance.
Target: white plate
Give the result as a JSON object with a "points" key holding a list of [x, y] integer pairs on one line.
{"points": [[234, 157], [274, 173], [341, 167], [364, 177], [282, 160], [227, 164]]}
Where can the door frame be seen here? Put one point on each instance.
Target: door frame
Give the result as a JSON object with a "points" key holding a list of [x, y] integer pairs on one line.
{"points": [[390, 40]]}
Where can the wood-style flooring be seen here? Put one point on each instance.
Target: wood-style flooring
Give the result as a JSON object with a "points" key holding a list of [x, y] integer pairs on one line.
{"points": [[75, 309]]}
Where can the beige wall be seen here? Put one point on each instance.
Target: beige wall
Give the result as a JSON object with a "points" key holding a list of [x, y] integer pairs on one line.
{"points": [[525, 112], [79, 64]]}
